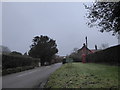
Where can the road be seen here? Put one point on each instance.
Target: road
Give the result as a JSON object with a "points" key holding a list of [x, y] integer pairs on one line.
{"points": [[30, 78]]}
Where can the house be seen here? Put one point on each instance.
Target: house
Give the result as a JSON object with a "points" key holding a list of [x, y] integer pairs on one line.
{"points": [[85, 51], [80, 54]]}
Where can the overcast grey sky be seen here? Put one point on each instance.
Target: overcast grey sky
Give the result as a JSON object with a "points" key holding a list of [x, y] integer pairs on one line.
{"points": [[63, 22]]}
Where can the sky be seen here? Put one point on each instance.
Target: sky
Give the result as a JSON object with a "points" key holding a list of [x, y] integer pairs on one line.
{"points": [[64, 22]]}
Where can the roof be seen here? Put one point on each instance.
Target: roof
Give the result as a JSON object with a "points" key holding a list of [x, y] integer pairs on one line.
{"points": [[84, 47], [94, 50], [91, 50]]}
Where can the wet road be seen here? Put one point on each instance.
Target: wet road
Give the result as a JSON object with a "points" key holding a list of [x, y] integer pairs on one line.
{"points": [[30, 78]]}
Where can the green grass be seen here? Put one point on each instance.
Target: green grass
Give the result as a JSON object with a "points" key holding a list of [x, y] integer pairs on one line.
{"points": [[88, 75]]}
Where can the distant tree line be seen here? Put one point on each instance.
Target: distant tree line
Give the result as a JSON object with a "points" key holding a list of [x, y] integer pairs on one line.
{"points": [[76, 57]]}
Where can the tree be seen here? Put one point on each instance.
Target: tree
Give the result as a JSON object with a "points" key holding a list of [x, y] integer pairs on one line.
{"points": [[75, 50], [4, 49], [44, 48], [105, 15], [75, 55]]}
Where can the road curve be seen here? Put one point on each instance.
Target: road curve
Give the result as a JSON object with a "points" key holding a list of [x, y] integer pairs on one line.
{"points": [[30, 78]]}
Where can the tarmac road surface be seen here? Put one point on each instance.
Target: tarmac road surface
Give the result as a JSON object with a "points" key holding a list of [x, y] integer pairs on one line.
{"points": [[30, 78]]}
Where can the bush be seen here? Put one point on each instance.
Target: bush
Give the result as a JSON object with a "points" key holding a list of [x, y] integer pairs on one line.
{"points": [[109, 55]]}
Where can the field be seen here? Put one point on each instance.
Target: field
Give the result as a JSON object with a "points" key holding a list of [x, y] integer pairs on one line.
{"points": [[88, 75]]}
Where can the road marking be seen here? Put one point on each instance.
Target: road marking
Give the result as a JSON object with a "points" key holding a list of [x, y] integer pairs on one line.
{"points": [[26, 73]]}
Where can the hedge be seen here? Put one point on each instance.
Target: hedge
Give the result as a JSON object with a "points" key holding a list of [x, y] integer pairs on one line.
{"points": [[17, 69], [13, 61], [109, 55]]}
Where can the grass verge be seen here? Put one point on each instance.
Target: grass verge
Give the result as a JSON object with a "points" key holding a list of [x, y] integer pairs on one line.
{"points": [[88, 75]]}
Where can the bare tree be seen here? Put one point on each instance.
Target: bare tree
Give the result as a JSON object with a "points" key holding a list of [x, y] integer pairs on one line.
{"points": [[4, 49], [75, 50]]}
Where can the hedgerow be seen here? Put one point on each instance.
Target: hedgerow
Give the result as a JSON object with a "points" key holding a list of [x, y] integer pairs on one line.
{"points": [[109, 55]]}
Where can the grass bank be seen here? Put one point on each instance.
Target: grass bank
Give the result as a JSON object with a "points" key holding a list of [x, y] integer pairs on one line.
{"points": [[88, 75]]}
